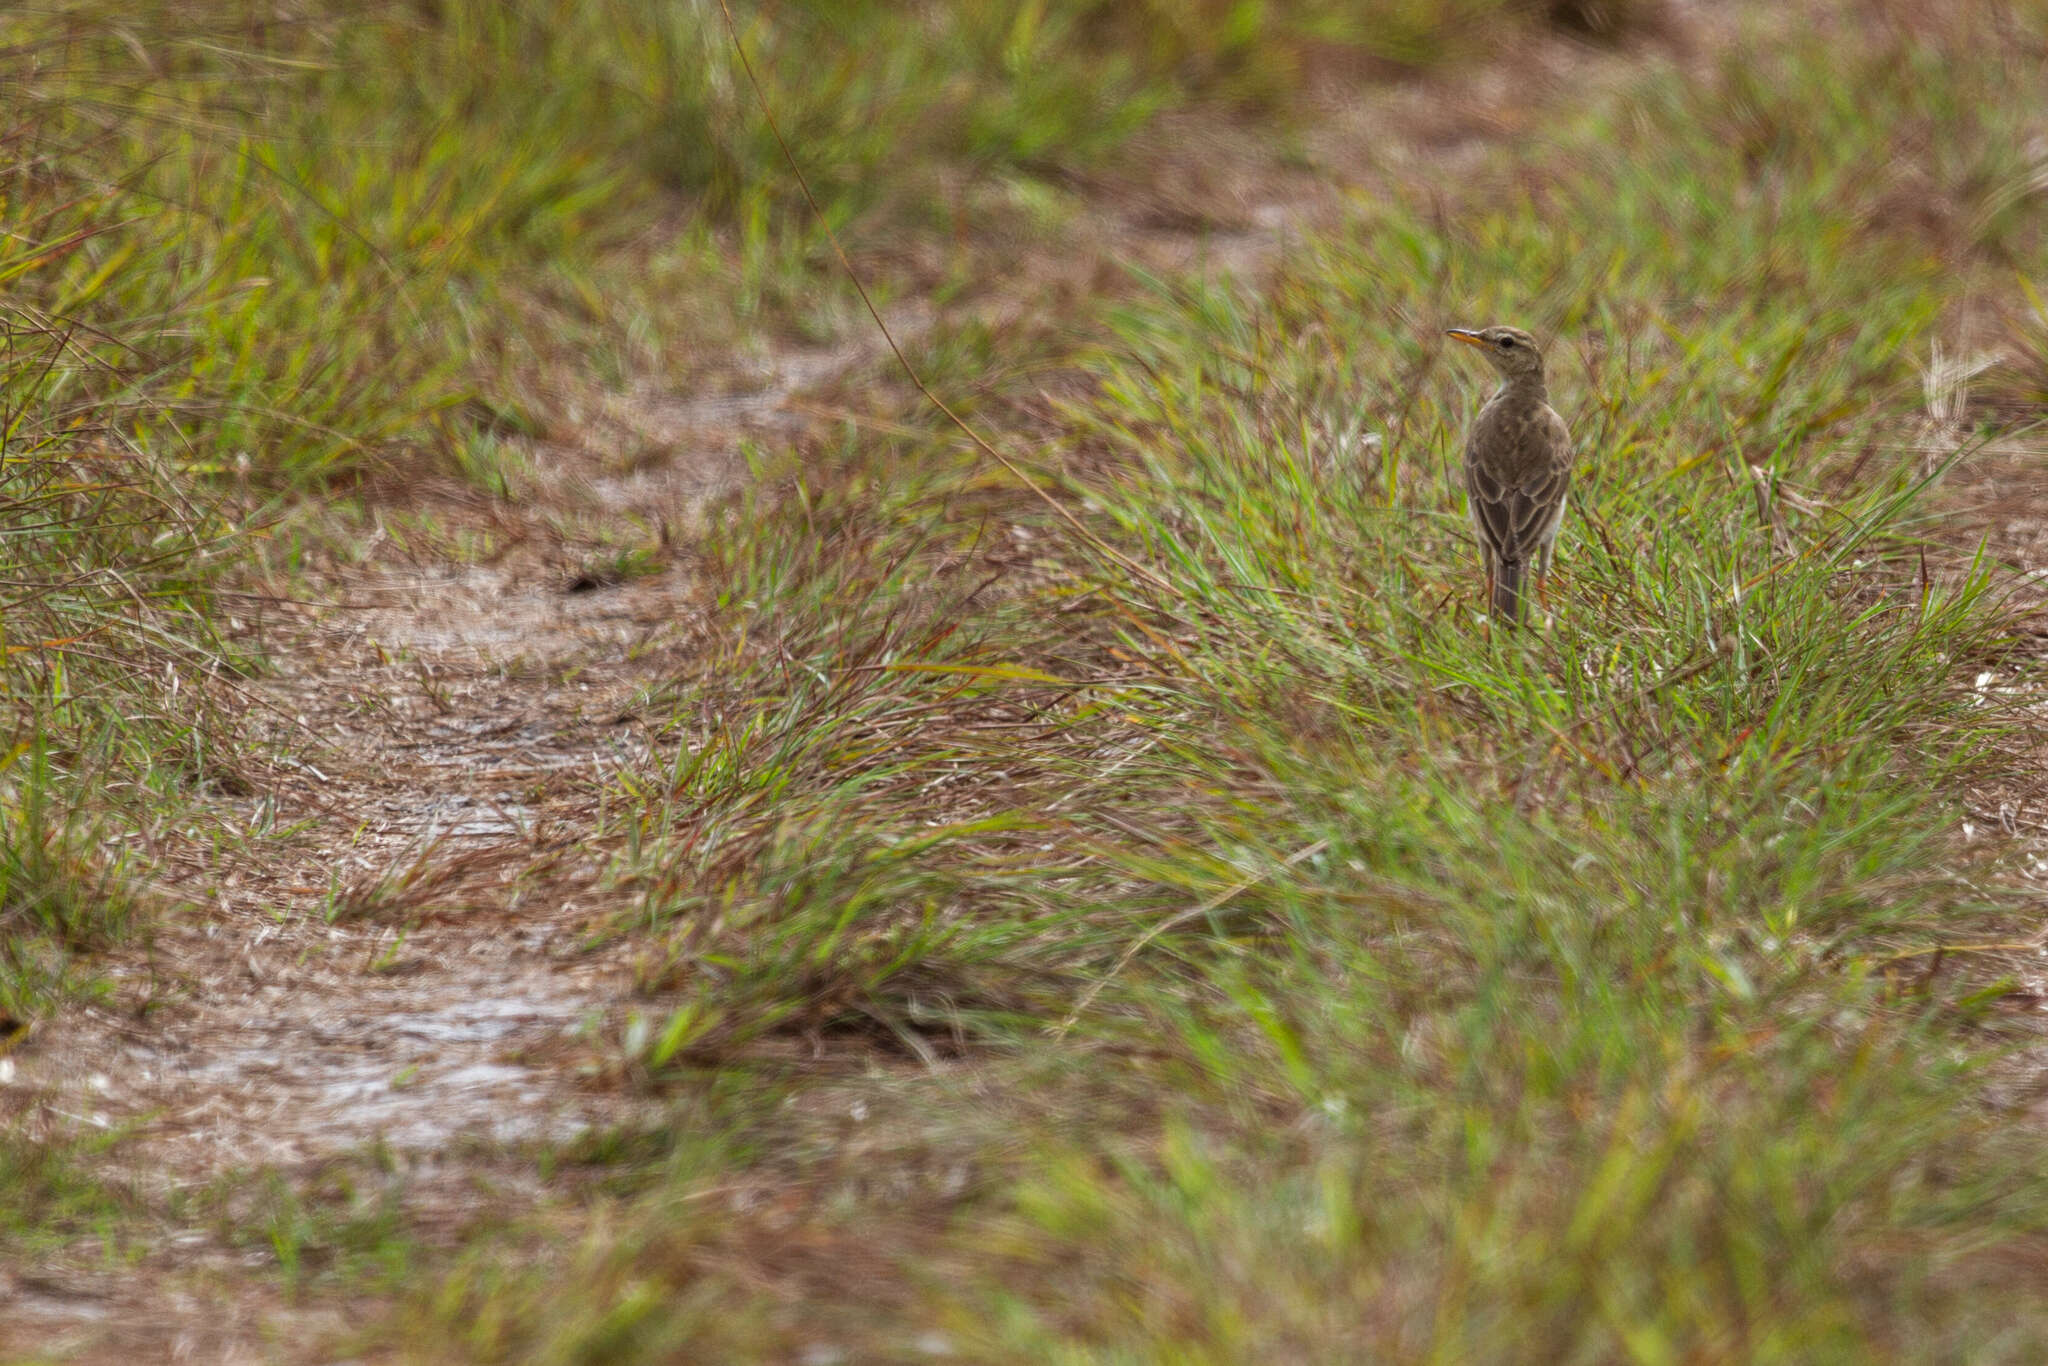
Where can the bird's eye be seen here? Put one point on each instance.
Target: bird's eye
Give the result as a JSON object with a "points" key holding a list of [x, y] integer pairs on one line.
{"points": [[1506, 342]]}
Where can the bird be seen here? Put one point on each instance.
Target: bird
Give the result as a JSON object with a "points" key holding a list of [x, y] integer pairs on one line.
{"points": [[1518, 469]]}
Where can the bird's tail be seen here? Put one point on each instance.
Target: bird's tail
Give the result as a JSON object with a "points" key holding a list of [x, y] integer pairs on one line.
{"points": [[1507, 592]]}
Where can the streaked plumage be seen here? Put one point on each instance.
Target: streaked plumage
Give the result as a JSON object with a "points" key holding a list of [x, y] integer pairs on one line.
{"points": [[1518, 469]]}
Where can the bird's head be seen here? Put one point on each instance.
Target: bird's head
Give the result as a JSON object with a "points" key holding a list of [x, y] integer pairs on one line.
{"points": [[1512, 351]]}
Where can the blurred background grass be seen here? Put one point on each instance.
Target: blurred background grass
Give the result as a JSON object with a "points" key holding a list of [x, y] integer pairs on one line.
{"points": [[330, 228]]}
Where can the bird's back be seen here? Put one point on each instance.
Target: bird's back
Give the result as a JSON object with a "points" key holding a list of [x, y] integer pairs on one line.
{"points": [[1518, 438], [1517, 472]]}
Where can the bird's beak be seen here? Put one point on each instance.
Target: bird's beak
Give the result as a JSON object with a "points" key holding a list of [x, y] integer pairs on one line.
{"points": [[1469, 338]]}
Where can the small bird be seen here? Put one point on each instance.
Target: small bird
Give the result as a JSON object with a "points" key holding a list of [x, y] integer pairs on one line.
{"points": [[1518, 467]]}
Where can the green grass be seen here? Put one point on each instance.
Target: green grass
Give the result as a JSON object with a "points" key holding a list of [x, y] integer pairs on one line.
{"points": [[1196, 937], [51, 1197], [343, 1226], [1255, 952], [62, 893], [109, 657]]}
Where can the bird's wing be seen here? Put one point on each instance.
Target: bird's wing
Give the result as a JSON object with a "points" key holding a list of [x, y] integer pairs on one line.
{"points": [[1516, 494]]}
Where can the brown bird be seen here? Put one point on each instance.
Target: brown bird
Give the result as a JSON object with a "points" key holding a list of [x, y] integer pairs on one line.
{"points": [[1518, 467]]}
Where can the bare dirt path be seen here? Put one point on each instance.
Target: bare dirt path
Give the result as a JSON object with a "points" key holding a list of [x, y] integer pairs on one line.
{"points": [[408, 973]]}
